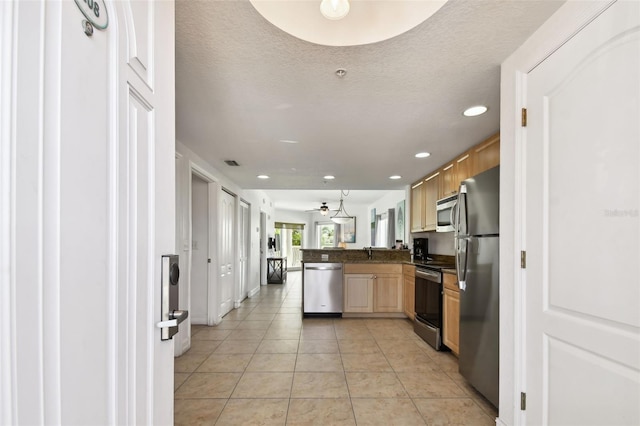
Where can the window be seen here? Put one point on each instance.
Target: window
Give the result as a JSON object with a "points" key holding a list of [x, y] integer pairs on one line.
{"points": [[326, 233], [381, 230], [291, 240]]}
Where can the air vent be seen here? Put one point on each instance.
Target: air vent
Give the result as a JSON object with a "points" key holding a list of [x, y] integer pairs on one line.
{"points": [[233, 163]]}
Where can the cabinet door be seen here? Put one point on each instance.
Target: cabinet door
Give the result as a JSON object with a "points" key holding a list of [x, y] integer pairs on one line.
{"points": [[358, 293], [409, 296], [486, 155], [451, 319], [464, 168], [431, 191], [448, 180], [387, 293], [417, 207]]}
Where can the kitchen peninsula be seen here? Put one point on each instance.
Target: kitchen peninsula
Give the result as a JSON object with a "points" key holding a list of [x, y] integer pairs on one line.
{"points": [[371, 284]]}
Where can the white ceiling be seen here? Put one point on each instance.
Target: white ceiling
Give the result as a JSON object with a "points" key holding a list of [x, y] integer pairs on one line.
{"points": [[242, 85]]}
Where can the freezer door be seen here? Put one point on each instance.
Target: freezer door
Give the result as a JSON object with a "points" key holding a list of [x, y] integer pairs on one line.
{"points": [[479, 317], [482, 203]]}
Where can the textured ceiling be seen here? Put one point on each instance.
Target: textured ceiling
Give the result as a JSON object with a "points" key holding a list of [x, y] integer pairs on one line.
{"points": [[242, 85]]}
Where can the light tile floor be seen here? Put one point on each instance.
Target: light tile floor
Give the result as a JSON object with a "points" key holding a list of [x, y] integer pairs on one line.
{"points": [[265, 365]]}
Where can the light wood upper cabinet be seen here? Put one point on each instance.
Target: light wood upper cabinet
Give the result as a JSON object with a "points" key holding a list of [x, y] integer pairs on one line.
{"points": [[451, 313], [455, 172], [448, 180], [486, 155], [431, 195], [417, 207], [409, 278], [464, 167]]}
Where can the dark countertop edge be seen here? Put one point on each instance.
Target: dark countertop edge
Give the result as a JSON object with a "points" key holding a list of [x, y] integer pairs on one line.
{"points": [[395, 262]]}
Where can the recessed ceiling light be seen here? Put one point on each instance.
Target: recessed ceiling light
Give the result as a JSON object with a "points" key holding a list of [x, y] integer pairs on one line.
{"points": [[395, 177], [288, 141], [263, 177], [422, 155], [475, 110], [329, 177]]}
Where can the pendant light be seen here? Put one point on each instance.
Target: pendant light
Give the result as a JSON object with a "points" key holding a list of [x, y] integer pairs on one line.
{"points": [[341, 216], [334, 9]]}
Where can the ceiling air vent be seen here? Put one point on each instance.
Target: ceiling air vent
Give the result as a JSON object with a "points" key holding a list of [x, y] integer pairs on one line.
{"points": [[233, 163]]}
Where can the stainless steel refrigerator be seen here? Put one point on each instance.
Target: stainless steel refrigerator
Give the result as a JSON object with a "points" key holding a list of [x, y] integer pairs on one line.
{"points": [[477, 243]]}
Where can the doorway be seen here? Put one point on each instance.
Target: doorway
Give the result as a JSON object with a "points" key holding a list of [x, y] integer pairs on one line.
{"points": [[245, 245], [227, 251], [200, 259]]}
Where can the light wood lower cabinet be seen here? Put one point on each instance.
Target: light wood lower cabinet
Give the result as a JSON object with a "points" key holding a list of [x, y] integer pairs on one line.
{"points": [[387, 293], [373, 288], [358, 293], [451, 313], [409, 288]]}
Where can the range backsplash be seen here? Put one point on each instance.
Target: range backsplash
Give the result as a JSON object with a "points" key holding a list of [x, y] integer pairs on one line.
{"points": [[439, 242]]}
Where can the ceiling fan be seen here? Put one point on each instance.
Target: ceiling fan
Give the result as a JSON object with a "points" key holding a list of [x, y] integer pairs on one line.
{"points": [[323, 209]]}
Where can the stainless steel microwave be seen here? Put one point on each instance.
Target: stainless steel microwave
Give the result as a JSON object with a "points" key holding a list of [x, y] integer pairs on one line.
{"points": [[445, 208]]}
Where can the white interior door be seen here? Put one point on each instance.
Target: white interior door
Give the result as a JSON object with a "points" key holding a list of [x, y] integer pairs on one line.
{"points": [[227, 251], [245, 243], [92, 211], [582, 227]]}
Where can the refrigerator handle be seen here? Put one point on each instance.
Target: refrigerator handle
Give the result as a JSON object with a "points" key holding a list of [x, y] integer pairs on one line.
{"points": [[461, 263]]}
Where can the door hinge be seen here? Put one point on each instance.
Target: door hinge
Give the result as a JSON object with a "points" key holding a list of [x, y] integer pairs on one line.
{"points": [[523, 401], [208, 260], [524, 117], [523, 259]]}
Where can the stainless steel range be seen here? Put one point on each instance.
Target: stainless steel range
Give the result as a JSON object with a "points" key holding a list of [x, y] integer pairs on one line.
{"points": [[428, 320]]}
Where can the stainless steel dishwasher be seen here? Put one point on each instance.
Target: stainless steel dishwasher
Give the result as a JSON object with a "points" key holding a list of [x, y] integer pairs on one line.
{"points": [[322, 288]]}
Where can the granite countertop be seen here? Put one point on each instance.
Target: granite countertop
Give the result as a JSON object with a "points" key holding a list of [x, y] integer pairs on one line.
{"points": [[449, 271]]}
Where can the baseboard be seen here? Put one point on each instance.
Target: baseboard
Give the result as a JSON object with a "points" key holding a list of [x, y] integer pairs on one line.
{"points": [[253, 292], [499, 422], [199, 320]]}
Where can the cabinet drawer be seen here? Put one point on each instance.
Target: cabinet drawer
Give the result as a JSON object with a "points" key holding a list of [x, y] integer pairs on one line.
{"points": [[451, 282], [373, 268]]}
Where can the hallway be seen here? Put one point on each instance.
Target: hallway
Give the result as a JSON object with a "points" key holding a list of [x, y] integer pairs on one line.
{"points": [[264, 364]]}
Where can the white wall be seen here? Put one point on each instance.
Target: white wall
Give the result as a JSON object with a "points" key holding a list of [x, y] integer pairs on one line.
{"points": [[439, 242], [186, 162], [382, 205], [259, 202]]}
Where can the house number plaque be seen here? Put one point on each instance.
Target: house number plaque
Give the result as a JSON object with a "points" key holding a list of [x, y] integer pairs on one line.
{"points": [[95, 11]]}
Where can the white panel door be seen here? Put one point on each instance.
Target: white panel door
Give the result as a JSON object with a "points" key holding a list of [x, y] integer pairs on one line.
{"points": [[245, 243], [582, 227], [91, 211], [227, 251]]}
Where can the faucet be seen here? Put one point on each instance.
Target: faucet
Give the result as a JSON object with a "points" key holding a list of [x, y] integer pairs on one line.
{"points": [[369, 252]]}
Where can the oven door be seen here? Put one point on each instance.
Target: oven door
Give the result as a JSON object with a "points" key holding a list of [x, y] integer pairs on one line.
{"points": [[428, 320]]}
